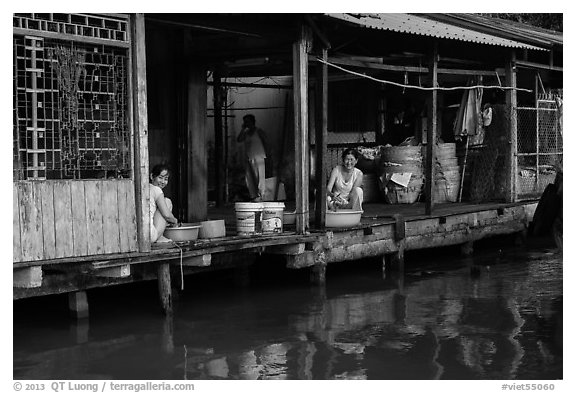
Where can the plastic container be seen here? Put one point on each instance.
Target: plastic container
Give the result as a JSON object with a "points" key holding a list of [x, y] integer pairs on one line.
{"points": [[247, 217], [272, 217], [289, 218], [344, 218], [212, 229], [183, 233]]}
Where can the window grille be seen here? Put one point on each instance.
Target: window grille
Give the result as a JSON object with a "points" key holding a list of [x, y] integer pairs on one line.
{"points": [[70, 116]]}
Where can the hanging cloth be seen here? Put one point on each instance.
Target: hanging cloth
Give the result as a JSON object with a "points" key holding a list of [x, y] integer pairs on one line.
{"points": [[469, 119]]}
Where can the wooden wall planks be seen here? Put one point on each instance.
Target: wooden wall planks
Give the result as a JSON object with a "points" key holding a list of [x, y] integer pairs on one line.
{"points": [[68, 218], [46, 191], [30, 217], [127, 217], [17, 248], [110, 217], [79, 226], [63, 219], [94, 222]]}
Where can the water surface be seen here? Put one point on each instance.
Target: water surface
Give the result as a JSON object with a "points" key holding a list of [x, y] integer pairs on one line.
{"points": [[497, 315]]}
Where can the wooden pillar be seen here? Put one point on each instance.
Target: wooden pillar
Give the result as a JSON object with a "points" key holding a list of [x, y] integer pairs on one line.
{"points": [[511, 105], [318, 274], [381, 117], [430, 169], [467, 249], [78, 304], [165, 287], [521, 238], [395, 261], [321, 137], [197, 179], [167, 342], [302, 153], [139, 120], [218, 139], [80, 330]]}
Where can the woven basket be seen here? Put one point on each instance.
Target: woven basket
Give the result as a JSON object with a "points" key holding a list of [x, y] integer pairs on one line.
{"points": [[395, 194]]}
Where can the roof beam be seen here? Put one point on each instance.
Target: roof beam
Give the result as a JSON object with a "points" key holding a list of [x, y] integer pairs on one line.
{"points": [[530, 64], [399, 68]]}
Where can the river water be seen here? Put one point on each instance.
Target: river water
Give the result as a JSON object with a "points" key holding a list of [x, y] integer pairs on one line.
{"points": [[497, 315]]}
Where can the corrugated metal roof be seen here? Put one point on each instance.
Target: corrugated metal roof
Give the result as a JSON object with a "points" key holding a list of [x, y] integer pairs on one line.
{"points": [[503, 28], [412, 24]]}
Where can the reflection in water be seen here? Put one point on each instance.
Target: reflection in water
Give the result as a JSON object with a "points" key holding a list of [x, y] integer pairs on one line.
{"points": [[472, 321]]}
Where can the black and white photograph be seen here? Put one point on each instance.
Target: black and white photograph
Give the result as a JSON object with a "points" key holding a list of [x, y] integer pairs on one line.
{"points": [[202, 197]]}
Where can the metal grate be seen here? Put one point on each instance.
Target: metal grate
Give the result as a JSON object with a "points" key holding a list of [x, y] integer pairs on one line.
{"points": [[70, 110], [540, 148], [99, 27]]}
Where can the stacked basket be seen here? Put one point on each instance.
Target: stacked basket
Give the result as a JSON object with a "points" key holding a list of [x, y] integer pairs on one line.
{"points": [[401, 159], [447, 178]]}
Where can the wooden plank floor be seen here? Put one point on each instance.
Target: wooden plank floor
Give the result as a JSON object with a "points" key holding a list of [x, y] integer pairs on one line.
{"points": [[375, 213]]}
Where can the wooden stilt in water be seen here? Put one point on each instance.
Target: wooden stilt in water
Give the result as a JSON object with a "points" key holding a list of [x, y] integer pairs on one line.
{"points": [[395, 261], [520, 238], [165, 288], [78, 304], [168, 335], [318, 274], [80, 331], [467, 249], [384, 267]]}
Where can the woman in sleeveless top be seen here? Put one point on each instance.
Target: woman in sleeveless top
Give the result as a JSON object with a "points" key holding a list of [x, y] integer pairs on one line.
{"points": [[344, 187]]}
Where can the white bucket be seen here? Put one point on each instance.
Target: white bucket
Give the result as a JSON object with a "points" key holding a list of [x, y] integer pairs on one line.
{"points": [[247, 217], [272, 216]]}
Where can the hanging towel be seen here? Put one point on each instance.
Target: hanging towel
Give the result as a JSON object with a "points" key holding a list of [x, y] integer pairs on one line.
{"points": [[469, 120]]}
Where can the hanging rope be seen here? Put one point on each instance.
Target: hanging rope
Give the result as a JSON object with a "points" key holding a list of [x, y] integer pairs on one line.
{"points": [[419, 87]]}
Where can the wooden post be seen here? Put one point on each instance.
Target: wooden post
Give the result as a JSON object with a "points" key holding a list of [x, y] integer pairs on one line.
{"points": [[395, 261], [78, 304], [318, 274], [168, 335], [511, 105], [381, 117], [140, 130], [197, 178], [218, 139], [321, 136], [80, 330], [430, 169], [467, 249], [165, 288], [302, 154]]}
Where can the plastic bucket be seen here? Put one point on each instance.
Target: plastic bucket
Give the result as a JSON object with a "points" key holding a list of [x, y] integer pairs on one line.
{"points": [[247, 217], [272, 216]]}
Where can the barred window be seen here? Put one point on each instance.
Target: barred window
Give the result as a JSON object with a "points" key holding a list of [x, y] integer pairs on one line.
{"points": [[70, 118]]}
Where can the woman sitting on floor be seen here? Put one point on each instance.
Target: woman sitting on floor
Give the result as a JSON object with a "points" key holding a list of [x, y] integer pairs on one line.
{"points": [[344, 187], [160, 206]]}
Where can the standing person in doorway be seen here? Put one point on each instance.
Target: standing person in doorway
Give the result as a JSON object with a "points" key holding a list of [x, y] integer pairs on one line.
{"points": [[255, 148]]}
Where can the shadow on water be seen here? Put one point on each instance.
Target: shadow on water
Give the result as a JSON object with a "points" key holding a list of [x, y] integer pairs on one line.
{"points": [[497, 315]]}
